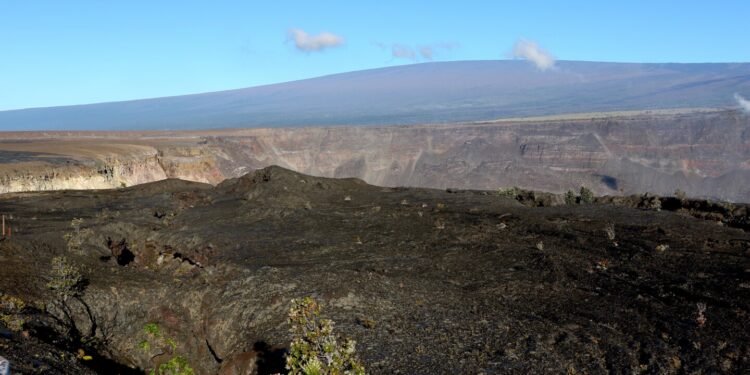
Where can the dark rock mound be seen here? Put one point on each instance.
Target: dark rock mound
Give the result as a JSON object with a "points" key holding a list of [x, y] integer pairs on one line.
{"points": [[283, 187]]}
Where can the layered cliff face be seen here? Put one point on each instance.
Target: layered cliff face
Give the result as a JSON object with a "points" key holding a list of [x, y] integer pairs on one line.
{"points": [[93, 165], [703, 153]]}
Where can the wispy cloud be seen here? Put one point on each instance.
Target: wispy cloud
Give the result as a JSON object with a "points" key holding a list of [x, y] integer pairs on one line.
{"points": [[530, 50], [744, 103], [421, 52], [426, 52], [401, 51], [314, 43]]}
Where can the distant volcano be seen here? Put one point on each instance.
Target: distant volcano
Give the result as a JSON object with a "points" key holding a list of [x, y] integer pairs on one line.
{"points": [[435, 92]]}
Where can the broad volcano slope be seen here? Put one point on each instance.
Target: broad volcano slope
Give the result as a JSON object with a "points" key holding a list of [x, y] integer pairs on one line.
{"points": [[439, 92], [426, 281]]}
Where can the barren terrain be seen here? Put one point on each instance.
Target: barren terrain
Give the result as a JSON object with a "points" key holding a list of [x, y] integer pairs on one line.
{"points": [[427, 281]]}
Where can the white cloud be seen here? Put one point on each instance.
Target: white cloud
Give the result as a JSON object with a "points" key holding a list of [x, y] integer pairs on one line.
{"points": [[426, 52], [744, 103], [529, 50], [401, 51], [314, 43]]}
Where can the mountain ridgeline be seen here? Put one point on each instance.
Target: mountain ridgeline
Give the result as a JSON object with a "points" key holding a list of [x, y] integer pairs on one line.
{"points": [[438, 92]]}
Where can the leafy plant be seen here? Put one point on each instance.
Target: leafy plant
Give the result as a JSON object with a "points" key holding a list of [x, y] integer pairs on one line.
{"points": [[571, 198], [157, 344], [315, 350], [10, 312], [177, 365], [587, 196], [65, 280], [650, 202], [67, 285], [511, 192]]}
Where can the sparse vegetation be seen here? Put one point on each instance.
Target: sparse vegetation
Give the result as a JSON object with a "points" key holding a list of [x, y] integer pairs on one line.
{"points": [[609, 231], [650, 202], [679, 194], [511, 192], [65, 280], [67, 283], [10, 312], [157, 344], [74, 239], [586, 195], [315, 350], [571, 198]]}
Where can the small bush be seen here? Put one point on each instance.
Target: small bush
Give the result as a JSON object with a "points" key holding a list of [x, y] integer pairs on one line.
{"points": [[511, 192], [650, 202], [65, 280], [10, 312], [587, 196], [570, 198], [681, 195], [315, 350], [157, 344], [74, 239]]}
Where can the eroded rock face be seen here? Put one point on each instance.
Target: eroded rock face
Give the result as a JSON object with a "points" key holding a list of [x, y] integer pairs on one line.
{"points": [[704, 154], [77, 165]]}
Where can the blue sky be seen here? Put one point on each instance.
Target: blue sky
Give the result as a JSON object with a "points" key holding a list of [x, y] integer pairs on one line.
{"points": [[75, 52]]}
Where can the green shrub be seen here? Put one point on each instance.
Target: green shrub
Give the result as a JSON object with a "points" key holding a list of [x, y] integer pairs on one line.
{"points": [[587, 196], [511, 192], [157, 344], [10, 312], [65, 280], [650, 202], [177, 365], [571, 198], [315, 350]]}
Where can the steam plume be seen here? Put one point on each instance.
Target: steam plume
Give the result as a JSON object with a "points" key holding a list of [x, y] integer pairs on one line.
{"points": [[529, 50], [744, 103]]}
